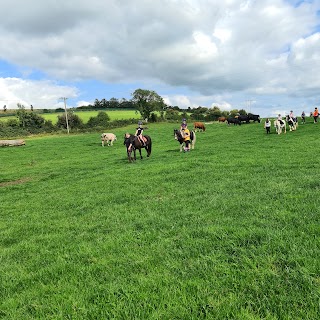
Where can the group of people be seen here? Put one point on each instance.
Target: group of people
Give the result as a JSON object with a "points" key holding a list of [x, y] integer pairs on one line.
{"points": [[186, 132], [315, 114]]}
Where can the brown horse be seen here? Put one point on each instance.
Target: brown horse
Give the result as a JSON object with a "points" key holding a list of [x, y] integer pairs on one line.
{"points": [[133, 143]]}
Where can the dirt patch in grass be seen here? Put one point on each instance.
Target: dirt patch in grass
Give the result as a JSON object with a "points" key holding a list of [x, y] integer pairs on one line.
{"points": [[14, 182]]}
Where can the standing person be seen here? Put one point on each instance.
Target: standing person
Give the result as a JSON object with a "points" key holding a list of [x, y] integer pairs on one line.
{"points": [[303, 117], [315, 115], [267, 125], [139, 132], [186, 137]]}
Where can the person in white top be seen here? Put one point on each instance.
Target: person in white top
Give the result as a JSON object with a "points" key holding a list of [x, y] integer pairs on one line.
{"points": [[267, 125]]}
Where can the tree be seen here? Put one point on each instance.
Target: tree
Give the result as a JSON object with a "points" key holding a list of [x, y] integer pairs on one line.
{"points": [[74, 121], [113, 103], [147, 101], [29, 119], [4, 108], [213, 114], [101, 120], [97, 104], [234, 112]]}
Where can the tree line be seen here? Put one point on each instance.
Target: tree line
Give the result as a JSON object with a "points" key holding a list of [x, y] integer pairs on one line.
{"points": [[148, 103]]}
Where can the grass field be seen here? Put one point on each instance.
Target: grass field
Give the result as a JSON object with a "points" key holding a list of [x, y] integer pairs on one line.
{"points": [[86, 115], [227, 231]]}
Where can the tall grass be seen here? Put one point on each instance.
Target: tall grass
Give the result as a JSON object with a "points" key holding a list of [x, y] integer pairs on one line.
{"points": [[227, 231]]}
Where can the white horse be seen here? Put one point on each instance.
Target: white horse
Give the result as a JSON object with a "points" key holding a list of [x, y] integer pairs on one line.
{"points": [[279, 127], [109, 138]]}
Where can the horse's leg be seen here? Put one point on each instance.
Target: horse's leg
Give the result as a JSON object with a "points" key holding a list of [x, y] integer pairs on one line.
{"points": [[181, 146], [140, 153]]}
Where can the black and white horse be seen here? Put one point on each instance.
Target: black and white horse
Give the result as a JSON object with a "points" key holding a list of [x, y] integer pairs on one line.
{"points": [[292, 122], [280, 126], [178, 135]]}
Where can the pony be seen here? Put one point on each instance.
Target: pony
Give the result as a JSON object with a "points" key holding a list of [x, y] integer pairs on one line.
{"points": [[200, 126], [292, 122], [280, 126], [109, 138], [133, 143], [179, 137]]}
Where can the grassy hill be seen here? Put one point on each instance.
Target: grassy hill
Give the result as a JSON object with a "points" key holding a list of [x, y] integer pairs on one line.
{"points": [[227, 231]]}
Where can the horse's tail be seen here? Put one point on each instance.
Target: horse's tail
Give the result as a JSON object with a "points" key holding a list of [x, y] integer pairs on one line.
{"points": [[193, 139]]}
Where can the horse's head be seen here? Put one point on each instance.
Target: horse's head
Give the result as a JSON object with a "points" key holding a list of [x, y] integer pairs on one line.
{"points": [[177, 134], [127, 138]]}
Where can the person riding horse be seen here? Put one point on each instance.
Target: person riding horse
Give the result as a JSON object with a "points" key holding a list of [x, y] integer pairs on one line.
{"points": [[183, 124], [186, 136], [133, 143], [292, 117], [280, 119], [139, 133]]}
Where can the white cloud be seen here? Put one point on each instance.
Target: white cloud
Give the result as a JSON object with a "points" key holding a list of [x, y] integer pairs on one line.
{"points": [[268, 48], [40, 94]]}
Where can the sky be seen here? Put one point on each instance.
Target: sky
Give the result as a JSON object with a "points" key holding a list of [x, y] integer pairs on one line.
{"points": [[259, 55]]}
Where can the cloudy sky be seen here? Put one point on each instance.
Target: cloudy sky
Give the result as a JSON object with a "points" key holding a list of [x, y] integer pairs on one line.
{"points": [[259, 55]]}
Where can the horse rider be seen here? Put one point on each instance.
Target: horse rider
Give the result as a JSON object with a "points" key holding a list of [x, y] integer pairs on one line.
{"points": [[139, 132], [280, 119], [186, 136], [291, 115], [183, 123]]}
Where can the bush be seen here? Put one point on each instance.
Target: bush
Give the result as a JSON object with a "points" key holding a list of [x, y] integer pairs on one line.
{"points": [[74, 121], [12, 123], [154, 117], [49, 126], [101, 120], [173, 114]]}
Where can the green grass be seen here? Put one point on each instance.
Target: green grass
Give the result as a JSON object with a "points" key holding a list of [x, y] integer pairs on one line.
{"points": [[86, 115], [227, 231]]}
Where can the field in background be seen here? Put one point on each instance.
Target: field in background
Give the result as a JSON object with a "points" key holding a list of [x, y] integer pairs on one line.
{"points": [[227, 231], [85, 115]]}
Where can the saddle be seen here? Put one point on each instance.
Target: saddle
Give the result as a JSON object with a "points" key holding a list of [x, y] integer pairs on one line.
{"points": [[143, 140]]}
